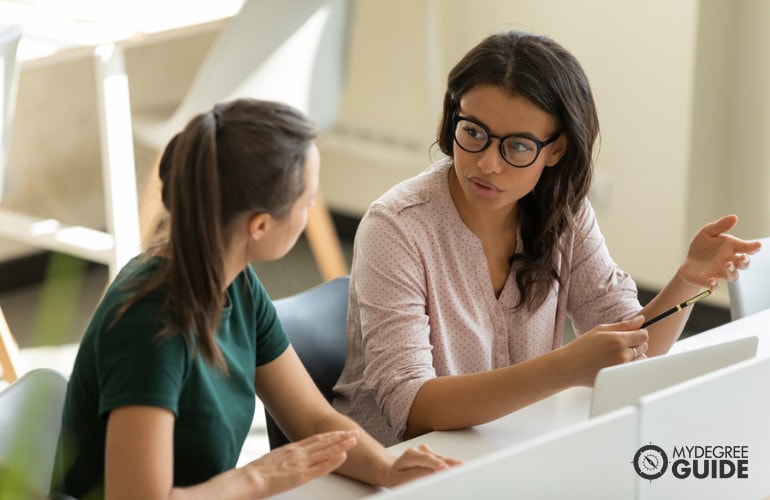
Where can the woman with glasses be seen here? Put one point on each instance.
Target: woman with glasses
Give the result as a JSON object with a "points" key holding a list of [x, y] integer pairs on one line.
{"points": [[464, 276], [162, 394]]}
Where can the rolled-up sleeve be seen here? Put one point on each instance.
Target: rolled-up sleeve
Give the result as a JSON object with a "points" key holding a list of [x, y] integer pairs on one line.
{"points": [[599, 291], [422, 303], [395, 329]]}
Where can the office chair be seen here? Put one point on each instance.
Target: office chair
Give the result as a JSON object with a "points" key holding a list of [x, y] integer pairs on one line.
{"points": [[289, 51], [116, 244], [750, 294], [30, 420], [314, 320]]}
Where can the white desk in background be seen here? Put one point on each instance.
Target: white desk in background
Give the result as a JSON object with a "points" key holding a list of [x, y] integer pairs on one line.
{"points": [[756, 324], [566, 411]]}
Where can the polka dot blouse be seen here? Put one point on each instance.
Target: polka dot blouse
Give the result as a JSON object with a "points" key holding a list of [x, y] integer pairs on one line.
{"points": [[422, 303]]}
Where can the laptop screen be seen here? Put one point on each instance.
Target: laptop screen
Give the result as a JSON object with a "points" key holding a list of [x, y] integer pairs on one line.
{"points": [[622, 385]]}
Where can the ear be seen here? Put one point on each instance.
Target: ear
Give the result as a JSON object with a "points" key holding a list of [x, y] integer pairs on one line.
{"points": [[258, 225], [557, 151]]}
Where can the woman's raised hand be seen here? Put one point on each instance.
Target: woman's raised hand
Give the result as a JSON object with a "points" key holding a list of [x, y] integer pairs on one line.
{"points": [[715, 255]]}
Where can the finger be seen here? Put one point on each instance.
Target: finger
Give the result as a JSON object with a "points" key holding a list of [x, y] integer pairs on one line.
{"points": [[640, 350], [636, 337], [333, 456], [327, 439], [634, 323], [320, 451], [743, 261], [428, 449], [423, 457], [448, 460], [626, 325], [751, 247], [731, 271], [721, 226], [334, 447], [328, 461], [405, 469]]}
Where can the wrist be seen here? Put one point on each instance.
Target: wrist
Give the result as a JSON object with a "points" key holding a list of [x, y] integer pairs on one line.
{"points": [[562, 367], [384, 468]]}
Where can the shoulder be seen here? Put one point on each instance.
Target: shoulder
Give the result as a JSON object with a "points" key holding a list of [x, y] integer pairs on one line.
{"points": [[583, 236], [128, 282], [424, 188], [248, 281], [586, 223], [247, 292], [415, 217]]}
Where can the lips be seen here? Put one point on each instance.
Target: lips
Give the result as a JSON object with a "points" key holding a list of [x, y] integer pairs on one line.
{"points": [[483, 184]]}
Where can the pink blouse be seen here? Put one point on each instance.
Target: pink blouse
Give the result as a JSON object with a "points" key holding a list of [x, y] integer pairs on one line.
{"points": [[422, 303]]}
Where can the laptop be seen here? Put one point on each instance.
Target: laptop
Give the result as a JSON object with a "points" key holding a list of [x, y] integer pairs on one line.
{"points": [[622, 385]]}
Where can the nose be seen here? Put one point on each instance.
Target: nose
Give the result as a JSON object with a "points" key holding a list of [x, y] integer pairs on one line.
{"points": [[490, 160]]}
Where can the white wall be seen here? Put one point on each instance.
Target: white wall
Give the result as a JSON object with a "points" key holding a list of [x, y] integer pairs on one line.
{"points": [[682, 92], [682, 88]]}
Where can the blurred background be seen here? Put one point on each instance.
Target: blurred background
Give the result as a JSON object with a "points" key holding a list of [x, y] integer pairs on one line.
{"points": [[682, 88]]}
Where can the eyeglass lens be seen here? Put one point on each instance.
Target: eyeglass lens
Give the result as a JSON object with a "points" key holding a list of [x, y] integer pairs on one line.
{"points": [[517, 150]]}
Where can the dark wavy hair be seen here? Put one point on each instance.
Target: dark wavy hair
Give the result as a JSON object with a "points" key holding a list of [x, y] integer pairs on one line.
{"points": [[243, 157], [539, 69]]}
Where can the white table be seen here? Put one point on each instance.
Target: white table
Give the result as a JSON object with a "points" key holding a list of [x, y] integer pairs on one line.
{"points": [[556, 413], [728, 407], [551, 414]]}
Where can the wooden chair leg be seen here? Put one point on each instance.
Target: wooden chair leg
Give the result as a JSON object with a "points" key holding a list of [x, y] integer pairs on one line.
{"points": [[9, 352], [324, 241]]}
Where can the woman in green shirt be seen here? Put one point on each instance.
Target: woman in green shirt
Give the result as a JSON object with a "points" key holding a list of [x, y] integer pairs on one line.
{"points": [[162, 393]]}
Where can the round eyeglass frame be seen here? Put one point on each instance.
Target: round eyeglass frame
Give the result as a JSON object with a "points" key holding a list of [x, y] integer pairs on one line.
{"points": [[501, 139]]}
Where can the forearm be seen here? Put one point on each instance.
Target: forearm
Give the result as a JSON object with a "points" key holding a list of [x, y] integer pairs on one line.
{"points": [[665, 332], [460, 401], [233, 484], [368, 461]]}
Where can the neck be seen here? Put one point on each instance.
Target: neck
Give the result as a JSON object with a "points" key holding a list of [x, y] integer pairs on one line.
{"points": [[236, 260]]}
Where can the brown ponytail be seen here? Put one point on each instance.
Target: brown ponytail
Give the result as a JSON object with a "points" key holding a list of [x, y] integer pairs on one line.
{"points": [[245, 156]]}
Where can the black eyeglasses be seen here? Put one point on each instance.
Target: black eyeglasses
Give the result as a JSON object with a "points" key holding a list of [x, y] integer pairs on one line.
{"points": [[517, 150]]}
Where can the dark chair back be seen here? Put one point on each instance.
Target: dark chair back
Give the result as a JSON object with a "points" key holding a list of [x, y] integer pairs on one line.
{"points": [[314, 320]]}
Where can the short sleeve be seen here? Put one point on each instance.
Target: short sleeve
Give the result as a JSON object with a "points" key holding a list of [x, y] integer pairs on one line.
{"points": [[135, 367], [271, 339]]}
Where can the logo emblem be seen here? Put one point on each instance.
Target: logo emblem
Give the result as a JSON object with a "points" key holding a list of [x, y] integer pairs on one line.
{"points": [[650, 462]]}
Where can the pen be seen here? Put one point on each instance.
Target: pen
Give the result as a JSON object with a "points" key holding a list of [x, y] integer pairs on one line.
{"points": [[676, 308]]}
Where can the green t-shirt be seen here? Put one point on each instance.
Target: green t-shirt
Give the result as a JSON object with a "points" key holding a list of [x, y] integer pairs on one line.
{"points": [[125, 364]]}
